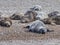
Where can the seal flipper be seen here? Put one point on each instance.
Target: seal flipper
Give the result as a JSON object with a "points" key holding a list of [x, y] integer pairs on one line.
{"points": [[50, 30]]}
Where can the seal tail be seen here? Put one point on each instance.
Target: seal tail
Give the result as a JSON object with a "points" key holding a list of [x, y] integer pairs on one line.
{"points": [[50, 30]]}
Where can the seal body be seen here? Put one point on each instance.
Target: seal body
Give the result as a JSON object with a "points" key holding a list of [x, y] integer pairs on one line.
{"points": [[17, 16], [37, 26]]}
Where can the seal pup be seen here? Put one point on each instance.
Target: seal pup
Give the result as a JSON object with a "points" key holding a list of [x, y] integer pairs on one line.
{"points": [[38, 27]]}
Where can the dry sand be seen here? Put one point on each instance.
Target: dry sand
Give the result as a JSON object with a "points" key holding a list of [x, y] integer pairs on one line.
{"points": [[31, 42]]}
